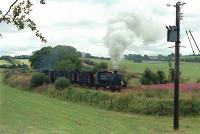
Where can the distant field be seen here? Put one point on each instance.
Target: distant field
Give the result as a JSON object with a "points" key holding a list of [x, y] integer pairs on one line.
{"points": [[188, 69], [21, 61], [23, 112], [4, 62]]}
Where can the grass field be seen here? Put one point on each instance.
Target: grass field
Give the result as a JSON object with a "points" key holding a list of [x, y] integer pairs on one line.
{"points": [[23, 112], [188, 69]]}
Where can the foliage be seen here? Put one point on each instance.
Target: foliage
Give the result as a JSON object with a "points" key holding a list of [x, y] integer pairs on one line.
{"points": [[100, 66], [38, 79], [57, 58], [18, 15], [22, 57], [150, 77], [51, 115], [171, 72], [14, 66], [198, 80], [161, 77], [89, 62], [157, 102], [62, 83], [17, 77], [150, 102]]}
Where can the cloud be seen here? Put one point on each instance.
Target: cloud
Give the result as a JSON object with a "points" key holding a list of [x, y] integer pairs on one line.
{"points": [[83, 24]]}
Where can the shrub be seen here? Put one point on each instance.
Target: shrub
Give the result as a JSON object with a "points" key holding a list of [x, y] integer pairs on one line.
{"points": [[198, 80], [38, 79], [161, 77], [7, 74], [148, 77], [62, 83]]}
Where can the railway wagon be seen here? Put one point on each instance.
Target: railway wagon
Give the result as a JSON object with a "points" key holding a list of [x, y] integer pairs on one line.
{"points": [[102, 79], [86, 78]]}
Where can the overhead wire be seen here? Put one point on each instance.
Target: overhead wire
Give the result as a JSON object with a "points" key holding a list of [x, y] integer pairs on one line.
{"points": [[188, 38], [192, 36]]}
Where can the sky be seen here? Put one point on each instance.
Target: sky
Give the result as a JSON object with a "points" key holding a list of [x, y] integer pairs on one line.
{"points": [[83, 24]]}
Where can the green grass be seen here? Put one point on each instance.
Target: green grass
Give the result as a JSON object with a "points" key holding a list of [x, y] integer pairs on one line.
{"points": [[188, 69], [23, 112]]}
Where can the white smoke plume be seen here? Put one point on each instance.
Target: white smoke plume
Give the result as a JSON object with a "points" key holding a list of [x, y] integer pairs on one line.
{"points": [[129, 24]]}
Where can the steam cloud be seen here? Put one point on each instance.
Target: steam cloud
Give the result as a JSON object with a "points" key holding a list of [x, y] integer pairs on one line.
{"points": [[128, 25]]}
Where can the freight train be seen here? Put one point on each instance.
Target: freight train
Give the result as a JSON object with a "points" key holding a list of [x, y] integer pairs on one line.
{"points": [[107, 80]]}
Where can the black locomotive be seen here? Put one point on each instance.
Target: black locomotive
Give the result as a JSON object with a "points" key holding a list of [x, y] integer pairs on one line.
{"points": [[101, 80]]}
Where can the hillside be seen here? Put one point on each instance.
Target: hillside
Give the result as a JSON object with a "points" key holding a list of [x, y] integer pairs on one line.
{"points": [[26, 112]]}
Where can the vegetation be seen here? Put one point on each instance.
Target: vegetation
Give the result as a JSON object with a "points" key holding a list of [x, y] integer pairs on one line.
{"points": [[89, 62], [14, 66], [150, 77], [170, 57], [38, 79], [100, 66], [25, 112], [18, 15], [189, 71], [17, 77], [58, 58], [62, 83], [150, 102]]}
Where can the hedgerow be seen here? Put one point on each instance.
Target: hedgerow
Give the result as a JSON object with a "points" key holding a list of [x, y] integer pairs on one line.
{"points": [[126, 102]]}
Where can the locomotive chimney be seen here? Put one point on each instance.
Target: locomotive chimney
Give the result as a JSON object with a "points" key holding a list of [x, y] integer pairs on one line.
{"points": [[115, 72]]}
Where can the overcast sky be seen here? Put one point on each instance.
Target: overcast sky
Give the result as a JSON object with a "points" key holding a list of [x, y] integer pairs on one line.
{"points": [[83, 25]]}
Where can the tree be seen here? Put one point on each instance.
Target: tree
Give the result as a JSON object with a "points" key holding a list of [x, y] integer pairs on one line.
{"points": [[58, 58], [146, 57], [18, 15]]}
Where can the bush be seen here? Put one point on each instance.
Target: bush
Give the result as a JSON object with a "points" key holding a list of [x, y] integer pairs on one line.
{"points": [[62, 83], [150, 77], [38, 79], [198, 80], [161, 77]]}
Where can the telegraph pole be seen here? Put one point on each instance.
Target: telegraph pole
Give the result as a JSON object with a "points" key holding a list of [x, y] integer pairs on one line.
{"points": [[173, 35], [176, 75]]}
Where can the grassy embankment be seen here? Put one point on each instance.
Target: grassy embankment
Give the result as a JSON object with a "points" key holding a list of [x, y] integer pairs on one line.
{"points": [[27, 112]]}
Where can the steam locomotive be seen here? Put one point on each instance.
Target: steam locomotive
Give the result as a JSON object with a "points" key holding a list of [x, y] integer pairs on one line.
{"points": [[107, 80]]}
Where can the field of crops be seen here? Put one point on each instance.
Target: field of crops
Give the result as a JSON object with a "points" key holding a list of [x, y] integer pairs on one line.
{"points": [[189, 70]]}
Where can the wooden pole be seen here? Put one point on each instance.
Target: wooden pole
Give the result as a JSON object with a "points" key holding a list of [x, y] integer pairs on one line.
{"points": [[176, 77]]}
